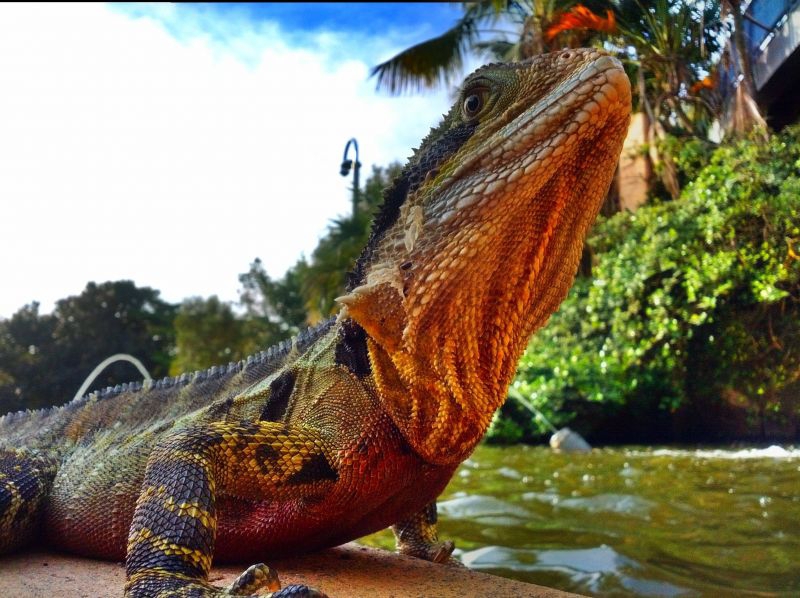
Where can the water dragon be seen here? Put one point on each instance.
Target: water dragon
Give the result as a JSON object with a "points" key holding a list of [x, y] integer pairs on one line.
{"points": [[357, 424]]}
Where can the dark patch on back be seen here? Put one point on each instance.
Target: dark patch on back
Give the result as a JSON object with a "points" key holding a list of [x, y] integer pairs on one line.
{"points": [[317, 469], [351, 350], [409, 180], [220, 409], [280, 389]]}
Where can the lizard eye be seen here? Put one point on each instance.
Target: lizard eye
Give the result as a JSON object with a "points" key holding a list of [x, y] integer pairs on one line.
{"points": [[474, 102]]}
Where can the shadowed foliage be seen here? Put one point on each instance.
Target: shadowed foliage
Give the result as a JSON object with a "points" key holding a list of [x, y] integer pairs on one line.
{"points": [[690, 327], [44, 358]]}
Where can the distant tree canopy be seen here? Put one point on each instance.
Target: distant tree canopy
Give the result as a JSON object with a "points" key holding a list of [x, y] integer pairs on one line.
{"points": [[44, 358], [207, 332]]}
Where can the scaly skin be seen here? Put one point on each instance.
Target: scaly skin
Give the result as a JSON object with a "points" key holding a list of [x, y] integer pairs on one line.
{"points": [[358, 424]]}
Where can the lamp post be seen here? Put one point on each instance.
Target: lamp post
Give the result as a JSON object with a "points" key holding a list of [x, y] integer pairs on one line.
{"points": [[345, 170]]}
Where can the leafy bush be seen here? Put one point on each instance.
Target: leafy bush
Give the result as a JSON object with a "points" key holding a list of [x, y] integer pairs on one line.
{"points": [[691, 320]]}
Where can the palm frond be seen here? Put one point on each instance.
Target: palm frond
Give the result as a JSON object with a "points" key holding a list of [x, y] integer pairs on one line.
{"points": [[429, 63], [498, 49]]}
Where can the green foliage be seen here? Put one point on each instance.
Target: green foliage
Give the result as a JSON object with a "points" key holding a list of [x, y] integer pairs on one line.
{"points": [[435, 61], [275, 309], [325, 276], [673, 44], [504, 430], [306, 293], [693, 308], [207, 333], [691, 155], [45, 358]]}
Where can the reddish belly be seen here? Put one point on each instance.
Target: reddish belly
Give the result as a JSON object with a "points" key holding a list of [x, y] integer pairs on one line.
{"points": [[253, 531], [370, 496]]}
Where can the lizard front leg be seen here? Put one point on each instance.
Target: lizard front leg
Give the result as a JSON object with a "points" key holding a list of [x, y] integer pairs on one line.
{"points": [[171, 540], [417, 536]]}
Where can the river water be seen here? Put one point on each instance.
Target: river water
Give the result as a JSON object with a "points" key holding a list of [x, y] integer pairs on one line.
{"points": [[629, 521]]}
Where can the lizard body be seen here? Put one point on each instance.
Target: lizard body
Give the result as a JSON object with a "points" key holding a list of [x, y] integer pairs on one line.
{"points": [[357, 424]]}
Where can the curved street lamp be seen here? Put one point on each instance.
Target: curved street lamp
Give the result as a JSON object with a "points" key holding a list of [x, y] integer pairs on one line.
{"points": [[345, 170]]}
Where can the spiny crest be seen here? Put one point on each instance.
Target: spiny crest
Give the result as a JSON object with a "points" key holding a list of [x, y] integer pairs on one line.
{"points": [[495, 65], [443, 141]]}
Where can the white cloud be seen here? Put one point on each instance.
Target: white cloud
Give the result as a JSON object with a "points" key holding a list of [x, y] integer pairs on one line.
{"points": [[175, 158]]}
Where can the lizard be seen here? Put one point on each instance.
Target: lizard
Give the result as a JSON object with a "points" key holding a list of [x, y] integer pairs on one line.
{"points": [[359, 423]]}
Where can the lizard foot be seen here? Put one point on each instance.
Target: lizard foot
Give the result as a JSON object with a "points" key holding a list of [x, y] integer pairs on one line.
{"points": [[260, 576], [441, 551], [416, 536], [257, 577]]}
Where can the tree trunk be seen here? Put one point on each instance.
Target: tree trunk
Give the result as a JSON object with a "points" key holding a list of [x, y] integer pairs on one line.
{"points": [[745, 113]]}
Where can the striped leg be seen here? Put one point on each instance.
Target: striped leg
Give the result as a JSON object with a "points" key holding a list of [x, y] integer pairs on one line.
{"points": [[25, 479], [171, 540], [417, 536]]}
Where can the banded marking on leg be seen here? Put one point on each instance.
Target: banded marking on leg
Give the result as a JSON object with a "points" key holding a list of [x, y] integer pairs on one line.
{"points": [[165, 536], [172, 536]]}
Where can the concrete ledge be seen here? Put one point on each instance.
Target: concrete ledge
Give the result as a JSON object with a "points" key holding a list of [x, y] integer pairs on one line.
{"points": [[350, 571]]}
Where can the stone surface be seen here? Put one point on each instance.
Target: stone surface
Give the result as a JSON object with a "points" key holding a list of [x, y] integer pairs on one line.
{"points": [[349, 571]]}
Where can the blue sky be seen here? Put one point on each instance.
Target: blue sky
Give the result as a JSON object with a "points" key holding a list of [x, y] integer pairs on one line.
{"points": [[173, 144], [423, 18]]}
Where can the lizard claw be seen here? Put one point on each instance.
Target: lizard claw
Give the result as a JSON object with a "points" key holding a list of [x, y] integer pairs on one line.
{"points": [[258, 577], [255, 578], [440, 553]]}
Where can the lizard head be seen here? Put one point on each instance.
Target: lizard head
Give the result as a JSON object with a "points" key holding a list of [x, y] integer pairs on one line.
{"points": [[479, 238], [496, 202]]}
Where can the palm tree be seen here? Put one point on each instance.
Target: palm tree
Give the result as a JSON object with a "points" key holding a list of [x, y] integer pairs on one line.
{"points": [[744, 114], [667, 45], [671, 45]]}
